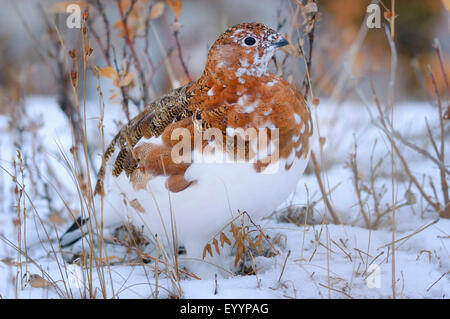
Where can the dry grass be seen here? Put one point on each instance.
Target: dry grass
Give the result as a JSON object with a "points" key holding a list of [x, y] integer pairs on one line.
{"points": [[72, 65]]}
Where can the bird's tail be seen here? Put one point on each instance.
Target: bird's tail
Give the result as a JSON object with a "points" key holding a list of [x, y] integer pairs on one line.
{"points": [[74, 233]]}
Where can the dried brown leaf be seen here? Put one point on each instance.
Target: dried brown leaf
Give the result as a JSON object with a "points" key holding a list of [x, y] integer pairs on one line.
{"points": [[137, 206], [207, 249], [37, 281], [126, 80], [236, 260], [239, 254], [126, 4], [109, 72], [9, 261], [157, 10], [234, 230], [224, 239], [216, 246], [175, 6]]}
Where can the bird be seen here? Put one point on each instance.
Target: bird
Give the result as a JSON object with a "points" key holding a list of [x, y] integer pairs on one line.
{"points": [[190, 162]]}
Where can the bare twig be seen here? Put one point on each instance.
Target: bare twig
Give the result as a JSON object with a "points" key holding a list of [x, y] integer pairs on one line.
{"points": [[437, 46], [335, 217], [180, 55], [137, 63], [434, 283], [412, 234], [101, 10], [354, 167], [384, 127]]}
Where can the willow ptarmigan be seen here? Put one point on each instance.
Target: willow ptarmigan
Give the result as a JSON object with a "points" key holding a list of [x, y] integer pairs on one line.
{"points": [[237, 139]]}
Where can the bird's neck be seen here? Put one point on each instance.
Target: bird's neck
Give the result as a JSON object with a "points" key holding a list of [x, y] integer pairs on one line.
{"points": [[234, 78]]}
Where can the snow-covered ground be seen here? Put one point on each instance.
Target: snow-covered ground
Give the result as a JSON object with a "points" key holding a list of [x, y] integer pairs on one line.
{"points": [[317, 260]]}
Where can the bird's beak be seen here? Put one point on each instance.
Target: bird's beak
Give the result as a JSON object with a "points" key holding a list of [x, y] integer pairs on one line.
{"points": [[281, 43]]}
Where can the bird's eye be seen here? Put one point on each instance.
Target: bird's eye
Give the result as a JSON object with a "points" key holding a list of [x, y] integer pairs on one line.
{"points": [[249, 41]]}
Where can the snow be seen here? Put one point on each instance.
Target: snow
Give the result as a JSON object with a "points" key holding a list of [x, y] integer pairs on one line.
{"points": [[318, 260]]}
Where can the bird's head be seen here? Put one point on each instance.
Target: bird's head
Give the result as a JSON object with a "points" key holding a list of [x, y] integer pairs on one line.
{"points": [[244, 50]]}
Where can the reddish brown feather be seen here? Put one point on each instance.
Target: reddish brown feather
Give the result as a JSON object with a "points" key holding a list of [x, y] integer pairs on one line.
{"points": [[277, 104]]}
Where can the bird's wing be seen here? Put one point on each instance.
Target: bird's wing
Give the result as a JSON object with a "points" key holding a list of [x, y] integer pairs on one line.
{"points": [[151, 122]]}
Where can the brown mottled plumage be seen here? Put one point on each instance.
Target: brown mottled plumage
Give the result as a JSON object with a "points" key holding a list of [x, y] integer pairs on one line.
{"points": [[235, 92], [218, 100], [151, 122]]}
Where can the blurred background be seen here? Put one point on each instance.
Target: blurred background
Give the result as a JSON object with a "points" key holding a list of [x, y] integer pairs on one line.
{"points": [[24, 41]]}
